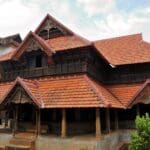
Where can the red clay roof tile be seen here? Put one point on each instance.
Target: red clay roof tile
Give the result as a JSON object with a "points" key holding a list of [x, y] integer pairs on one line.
{"points": [[51, 45], [124, 92], [67, 42], [67, 92], [4, 88], [129, 49]]}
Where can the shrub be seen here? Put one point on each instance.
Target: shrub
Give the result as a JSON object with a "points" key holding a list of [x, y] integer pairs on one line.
{"points": [[140, 140]]}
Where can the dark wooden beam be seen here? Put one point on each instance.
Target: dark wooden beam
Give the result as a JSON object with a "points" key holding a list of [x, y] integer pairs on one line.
{"points": [[38, 121], [116, 120], [108, 120]]}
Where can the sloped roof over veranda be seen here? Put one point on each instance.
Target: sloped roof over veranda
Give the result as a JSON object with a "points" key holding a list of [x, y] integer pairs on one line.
{"points": [[76, 91]]}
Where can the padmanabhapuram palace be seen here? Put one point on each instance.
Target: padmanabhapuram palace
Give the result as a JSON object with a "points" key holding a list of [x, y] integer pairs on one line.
{"points": [[60, 91]]}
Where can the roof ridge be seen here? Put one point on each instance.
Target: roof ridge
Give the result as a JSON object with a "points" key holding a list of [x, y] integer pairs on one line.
{"points": [[24, 86], [101, 96], [94, 88], [114, 96], [35, 82], [120, 37]]}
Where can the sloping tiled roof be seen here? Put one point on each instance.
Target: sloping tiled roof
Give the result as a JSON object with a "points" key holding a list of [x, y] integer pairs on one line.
{"points": [[124, 92], [9, 55], [29, 86], [75, 91], [67, 42], [66, 92], [55, 44], [4, 88], [10, 39], [129, 49]]}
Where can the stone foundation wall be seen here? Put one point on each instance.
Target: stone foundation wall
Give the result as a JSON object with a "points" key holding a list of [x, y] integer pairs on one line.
{"points": [[4, 139], [108, 142], [82, 143]]}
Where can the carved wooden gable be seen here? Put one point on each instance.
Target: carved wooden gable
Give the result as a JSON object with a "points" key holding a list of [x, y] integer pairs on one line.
{"points": [[144, 96], [51, 28], [48, 25], [32, 45], [18, 96]]}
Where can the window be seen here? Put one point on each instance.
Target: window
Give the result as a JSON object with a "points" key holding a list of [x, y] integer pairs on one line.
{"points": [[54, 32], [44, 34], [38, 61]]}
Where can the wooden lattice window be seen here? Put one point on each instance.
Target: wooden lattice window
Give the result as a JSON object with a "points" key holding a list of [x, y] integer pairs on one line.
{"points": [[54, 32], [44, 34]]}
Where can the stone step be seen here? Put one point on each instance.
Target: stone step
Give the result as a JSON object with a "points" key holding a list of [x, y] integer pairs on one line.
{"points": [[2, 148], [21, 144], [17, 147], [122, 146], [24, 142]]}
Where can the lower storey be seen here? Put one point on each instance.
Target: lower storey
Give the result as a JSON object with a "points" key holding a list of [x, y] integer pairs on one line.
{"points": [[83, 142]]}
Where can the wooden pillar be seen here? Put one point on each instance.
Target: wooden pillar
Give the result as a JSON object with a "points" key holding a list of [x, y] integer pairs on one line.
{"points": [[138, 109], [54, 115], [98, 123], [38, 121], [116, 120], [16, 119], [63, 124], [77, 114], [107, 120]]}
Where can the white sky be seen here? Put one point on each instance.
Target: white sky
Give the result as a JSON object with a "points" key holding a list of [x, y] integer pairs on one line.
{"points": [[93, 19]]}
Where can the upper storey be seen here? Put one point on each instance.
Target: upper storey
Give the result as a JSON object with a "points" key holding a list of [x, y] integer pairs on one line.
{"points": [[54, 49]]}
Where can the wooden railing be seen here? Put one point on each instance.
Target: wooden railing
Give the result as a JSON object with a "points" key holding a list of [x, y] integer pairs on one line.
{"points": [[56, 69]]}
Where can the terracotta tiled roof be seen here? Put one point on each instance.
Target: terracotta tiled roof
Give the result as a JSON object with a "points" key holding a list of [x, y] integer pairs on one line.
{"points": [[67, 92], [29, 86], [4, 88], [51, 45], [16, 52], [16, 39], [8, 56], [78, 91], [75, 91], [124, 92], [129, 49], [67, 42]]}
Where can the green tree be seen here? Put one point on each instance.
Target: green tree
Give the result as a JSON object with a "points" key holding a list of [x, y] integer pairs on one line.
{"points": [[140, 140]]}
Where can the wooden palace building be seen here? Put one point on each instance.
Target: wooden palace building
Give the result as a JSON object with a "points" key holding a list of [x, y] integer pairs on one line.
{"points": [[56, 84]]}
